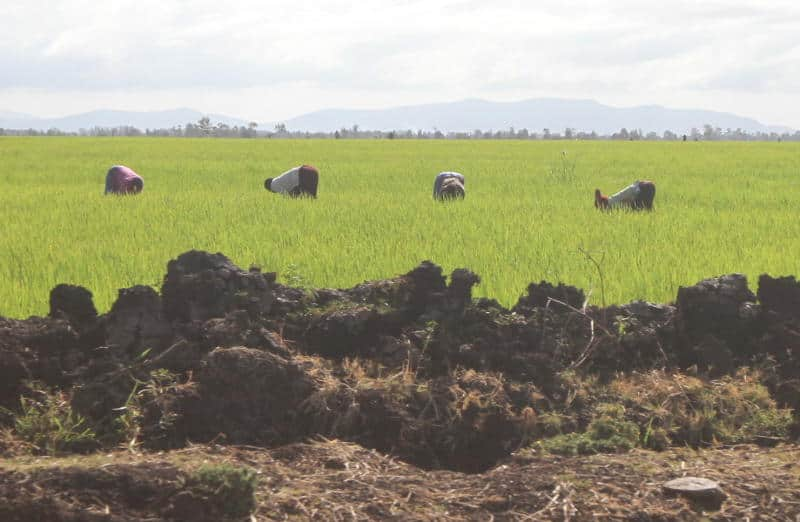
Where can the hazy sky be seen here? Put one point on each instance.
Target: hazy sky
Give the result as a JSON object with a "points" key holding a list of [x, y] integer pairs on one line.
{"points": [[270, 60]]}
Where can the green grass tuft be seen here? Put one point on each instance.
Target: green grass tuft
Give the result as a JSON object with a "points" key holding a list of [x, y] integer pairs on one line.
{"points": [[608, 432], [51, 427], [231, 487]]}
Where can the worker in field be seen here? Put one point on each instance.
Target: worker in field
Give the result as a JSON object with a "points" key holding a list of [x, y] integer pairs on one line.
{"points": [[299, 181], [449, 185], [637, 196], [122, 180]]}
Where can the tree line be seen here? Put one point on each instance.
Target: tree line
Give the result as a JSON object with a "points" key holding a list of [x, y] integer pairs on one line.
{"points": [[205, 128]]}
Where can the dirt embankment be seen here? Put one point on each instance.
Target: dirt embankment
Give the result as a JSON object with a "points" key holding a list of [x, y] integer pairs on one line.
{"points": [[413, 367]]}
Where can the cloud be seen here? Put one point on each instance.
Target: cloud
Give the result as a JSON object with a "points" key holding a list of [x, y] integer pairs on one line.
{"points": [[420, 50], [783, 76]]}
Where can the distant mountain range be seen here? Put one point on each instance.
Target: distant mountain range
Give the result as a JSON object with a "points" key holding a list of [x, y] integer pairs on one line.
{"points": [[534, 115], [465, 116], [110, 118]]}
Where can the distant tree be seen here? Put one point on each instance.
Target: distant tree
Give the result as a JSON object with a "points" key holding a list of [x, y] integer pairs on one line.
{"points": [[192, 130], [623, 134], [280, 128], [204, 124]]}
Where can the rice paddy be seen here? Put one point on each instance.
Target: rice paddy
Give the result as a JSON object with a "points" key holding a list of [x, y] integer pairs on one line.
{"points": [[528, 214]]}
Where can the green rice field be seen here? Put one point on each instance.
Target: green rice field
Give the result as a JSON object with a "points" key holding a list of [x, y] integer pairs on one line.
{"points": [[528, 215]]}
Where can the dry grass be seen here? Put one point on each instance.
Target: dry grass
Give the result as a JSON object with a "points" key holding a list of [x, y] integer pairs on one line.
{"points": [[331, 480], [695, 411]]}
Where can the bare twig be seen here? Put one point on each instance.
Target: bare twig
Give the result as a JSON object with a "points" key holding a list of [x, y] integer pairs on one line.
{"points": [[592, 325], [598, 265], [584, 314]]}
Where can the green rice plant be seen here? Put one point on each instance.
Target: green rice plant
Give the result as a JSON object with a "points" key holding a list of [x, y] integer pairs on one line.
{"points": [[563, 171], [719, 208]]}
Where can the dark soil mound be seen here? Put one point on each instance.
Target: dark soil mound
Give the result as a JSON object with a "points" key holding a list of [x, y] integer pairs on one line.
{"points": [[74, 304], [136, 321], [781, 295], [540, 296], [200, 286], [241, 396], [412, 366]]}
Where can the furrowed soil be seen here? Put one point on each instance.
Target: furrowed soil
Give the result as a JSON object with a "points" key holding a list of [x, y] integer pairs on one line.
{"points": [[227, 395]]}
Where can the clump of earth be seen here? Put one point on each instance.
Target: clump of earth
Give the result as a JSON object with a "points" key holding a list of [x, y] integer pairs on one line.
{"points": [[412, 367]]}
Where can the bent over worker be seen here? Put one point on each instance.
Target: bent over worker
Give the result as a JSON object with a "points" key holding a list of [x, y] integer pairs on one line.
{"points": [[123, 180], [299, 181], [637, 196], [449, 185]]}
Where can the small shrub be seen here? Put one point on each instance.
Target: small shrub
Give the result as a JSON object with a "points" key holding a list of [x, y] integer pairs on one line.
{"points": [[232, 488]]}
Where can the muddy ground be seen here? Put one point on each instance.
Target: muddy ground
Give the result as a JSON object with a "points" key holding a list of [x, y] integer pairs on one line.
{"points": [[448, 407]]}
